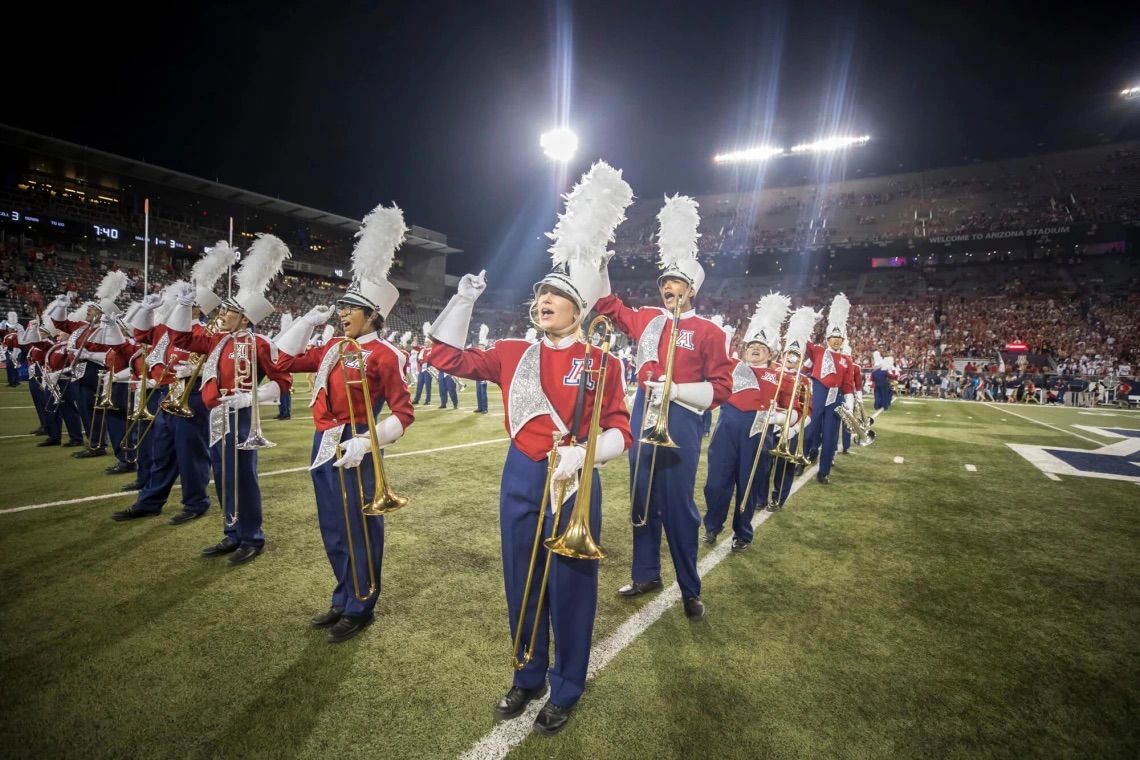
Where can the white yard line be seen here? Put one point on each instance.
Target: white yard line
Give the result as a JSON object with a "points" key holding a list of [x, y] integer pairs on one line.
{"points": [[133, 494], [1045, 424], [20, 435]]}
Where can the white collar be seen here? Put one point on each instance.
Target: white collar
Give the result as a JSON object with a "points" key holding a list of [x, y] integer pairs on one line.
{"points": [[564, 342], [684, 314], [367, 338]]}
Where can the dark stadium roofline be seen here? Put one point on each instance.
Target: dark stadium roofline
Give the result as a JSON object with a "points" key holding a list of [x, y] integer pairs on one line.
{"points": [[21, 138]]}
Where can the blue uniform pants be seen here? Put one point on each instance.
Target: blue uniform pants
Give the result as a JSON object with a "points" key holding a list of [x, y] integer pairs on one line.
{"points": [[481, 396], [572, 589], [116, 420], [671, 505], [351, 592], [423, 381], [731, 455], [37, 391], [781, 475], [879, 378], [238, 489], [146, 453], [81, 393], [178, 449], [285, 405], [63, 415], [13, 369]]}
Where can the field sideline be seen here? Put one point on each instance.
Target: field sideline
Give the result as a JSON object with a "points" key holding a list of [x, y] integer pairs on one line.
{"points": [[915, 607]]}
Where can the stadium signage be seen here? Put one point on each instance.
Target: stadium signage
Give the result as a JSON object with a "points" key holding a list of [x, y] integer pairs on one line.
{"points": [[1030, 232]]}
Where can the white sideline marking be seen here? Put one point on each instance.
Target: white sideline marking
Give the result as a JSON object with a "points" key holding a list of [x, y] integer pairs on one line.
{"points": [[133, 494], [971, 468], [899, 460], [1051, 476], [1054, 427], [21, 435], [17, 407], [509, 734]]}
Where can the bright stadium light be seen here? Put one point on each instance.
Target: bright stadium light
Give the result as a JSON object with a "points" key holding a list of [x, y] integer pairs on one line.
{"points": [[559, 144], [831, 143], [1131, 92], [752, 154]]}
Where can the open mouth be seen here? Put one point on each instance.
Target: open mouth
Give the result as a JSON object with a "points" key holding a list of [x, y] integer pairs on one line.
{"points": [[545, 312]]}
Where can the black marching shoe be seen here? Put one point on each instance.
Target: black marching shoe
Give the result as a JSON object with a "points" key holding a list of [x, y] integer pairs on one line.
{"points": [[225, 546], [694, 607], [136, 486], [184, 517], [710, 538], [739, 544], [49, 442], [72, 444], [327, 619], [120, 468], [347, 627], [130, 514], [515, 701], [551, 719], [245, 554], [39, 431], [821, 478], [89, 453], [637, 588], [775, 506]]}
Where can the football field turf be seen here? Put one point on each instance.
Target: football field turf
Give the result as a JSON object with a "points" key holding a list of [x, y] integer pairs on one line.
{"points": [[943, 597]]}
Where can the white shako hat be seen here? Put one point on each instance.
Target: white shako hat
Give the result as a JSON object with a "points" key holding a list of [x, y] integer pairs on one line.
{"points": [[261, 264], [206, 272], [837, 317], [594, 209], [677, 241], [764, 327], [380, 236], [112, 286]]}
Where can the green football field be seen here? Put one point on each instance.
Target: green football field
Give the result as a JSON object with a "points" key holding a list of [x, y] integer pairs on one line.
{"points": [[943, 597]]}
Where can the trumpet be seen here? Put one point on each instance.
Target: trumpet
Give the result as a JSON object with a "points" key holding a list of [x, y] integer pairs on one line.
{"points": [[659, 436], [576, 541], [383, 500]]}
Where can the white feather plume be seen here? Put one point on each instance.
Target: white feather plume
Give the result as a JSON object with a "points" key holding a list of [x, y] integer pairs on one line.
{"points": [[207, 270], [594, 209], [837, 314], [262, 263], [677, 233], [112, 285], [484, 331], [876, 359], [380, 236], [800, 326], [13, 319], [407, 336], [531, 335], [427, 329], [79, 313], [771, 311]]}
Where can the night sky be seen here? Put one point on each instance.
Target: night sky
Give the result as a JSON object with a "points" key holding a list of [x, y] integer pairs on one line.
{"points": [[438, 106]]}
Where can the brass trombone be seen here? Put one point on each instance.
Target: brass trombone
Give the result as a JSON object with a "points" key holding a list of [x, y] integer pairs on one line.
{"points": [[383, 501], [140, 413], [576, 541], [783, 449], [659, 436], [103, 404]]}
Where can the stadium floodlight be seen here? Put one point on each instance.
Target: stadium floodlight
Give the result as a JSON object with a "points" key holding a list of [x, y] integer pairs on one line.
{"points": [[762, 153], [559, 144], [1131, 92], [831, 143]]}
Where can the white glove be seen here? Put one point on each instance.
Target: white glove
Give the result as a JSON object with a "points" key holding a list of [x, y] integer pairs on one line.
{"points": [[849, 402], [570, 460], [353, 451], [240, 400], [655, 388], [389, 431], [318, 315], [187, 294], [182, 370], [53, 377], [471, 286], [122, 375], [152, 301], [778, 418]]}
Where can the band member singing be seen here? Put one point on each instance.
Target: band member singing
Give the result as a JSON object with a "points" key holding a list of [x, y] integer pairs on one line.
{"points": [[346, 439], [546, 401]]}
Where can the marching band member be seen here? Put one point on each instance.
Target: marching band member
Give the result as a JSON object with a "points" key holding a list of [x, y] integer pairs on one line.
{"points": [[36, 344], [540, 382], [481, 385], [423, 360], [795, 375], [881, 377], [58, 406], [285, 401], [341, 451], [12, 351], [235, 358], [702, 379], [744, 426], [831, 386], [177, 445]]}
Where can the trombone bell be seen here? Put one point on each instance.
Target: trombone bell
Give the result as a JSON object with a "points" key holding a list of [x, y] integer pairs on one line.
{"points": [[576, 542]]}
